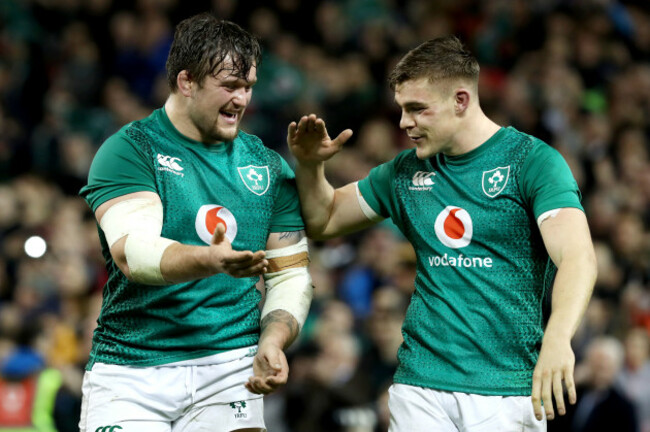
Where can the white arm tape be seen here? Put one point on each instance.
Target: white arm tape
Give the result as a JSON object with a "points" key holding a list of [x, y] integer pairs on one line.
{"points": [[141, 221], [143, 256], [546, 215], [136, 215], [366, 209], [293, 249], [290, 290]]}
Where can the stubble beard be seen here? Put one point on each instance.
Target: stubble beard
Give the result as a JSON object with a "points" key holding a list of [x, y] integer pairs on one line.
{"points": [[212, 132], [224, 136]]}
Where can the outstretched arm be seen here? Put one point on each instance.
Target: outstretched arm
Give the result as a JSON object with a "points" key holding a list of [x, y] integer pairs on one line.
{"points": [[132, 225], [568, 242], [327, 212]]}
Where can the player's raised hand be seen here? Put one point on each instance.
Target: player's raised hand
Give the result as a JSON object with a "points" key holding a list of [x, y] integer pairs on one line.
{"points": [[310, 143], [553, 373], [238, 264]]}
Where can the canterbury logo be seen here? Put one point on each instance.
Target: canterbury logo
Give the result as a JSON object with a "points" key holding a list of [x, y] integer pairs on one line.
{"points": [[422, 179], [108, 428], [169, 162]]}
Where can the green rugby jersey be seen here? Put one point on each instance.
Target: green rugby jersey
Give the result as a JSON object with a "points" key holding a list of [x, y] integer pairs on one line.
{"points": [[242, 184], [475, 321]]}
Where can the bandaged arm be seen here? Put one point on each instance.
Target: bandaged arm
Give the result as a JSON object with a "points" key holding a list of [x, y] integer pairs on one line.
{"points": [[132, 225], [289, 288]]}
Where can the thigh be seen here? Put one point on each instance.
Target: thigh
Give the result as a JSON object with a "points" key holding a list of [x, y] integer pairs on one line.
{"points": [[479, 413], [417, 409], [114, 396], [244, 415], [222, 383]]}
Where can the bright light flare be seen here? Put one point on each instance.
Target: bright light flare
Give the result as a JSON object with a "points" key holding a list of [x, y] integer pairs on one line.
{"points": [[35, 247]]}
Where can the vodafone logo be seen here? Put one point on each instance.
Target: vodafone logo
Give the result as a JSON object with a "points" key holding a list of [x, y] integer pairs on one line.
{"points": [[454, 227], [209, 216]]}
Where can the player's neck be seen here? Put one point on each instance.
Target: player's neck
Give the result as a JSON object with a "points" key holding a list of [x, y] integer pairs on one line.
{"points": [[473, 132], [178, 117]]}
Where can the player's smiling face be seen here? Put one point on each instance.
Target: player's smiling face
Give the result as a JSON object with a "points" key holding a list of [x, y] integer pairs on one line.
{"points": [[428, 116], [218, 105]]}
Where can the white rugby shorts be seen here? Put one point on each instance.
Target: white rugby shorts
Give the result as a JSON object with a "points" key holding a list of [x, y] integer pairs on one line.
{"points": [[179, 397], [423, 409]]}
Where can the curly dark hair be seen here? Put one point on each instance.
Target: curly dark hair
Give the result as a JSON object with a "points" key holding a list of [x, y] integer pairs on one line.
{"points": [[438, 59], [202, 43]]}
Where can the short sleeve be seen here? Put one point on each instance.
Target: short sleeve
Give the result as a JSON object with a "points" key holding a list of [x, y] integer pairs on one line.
{"points": [[286, 211], [119, 168], [547, 182], [376, 188]]}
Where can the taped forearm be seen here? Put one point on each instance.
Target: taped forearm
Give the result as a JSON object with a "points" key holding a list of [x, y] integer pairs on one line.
{"points": [[288, 285], [143, 256]]}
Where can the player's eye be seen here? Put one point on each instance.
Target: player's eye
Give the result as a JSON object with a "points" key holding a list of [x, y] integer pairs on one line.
{"points": [[414, 110]]}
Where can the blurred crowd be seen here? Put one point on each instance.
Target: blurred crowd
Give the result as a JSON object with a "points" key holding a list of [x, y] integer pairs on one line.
{"points": [[575, 73]]}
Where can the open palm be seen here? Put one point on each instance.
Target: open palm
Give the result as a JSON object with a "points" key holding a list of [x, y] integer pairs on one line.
{"points": [[310, 143]]}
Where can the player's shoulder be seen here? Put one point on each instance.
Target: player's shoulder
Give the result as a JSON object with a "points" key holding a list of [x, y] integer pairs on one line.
{"points": [[535, 151], [132, 141], [531, 147], [519, 138], [129, 134], [119, 142]]}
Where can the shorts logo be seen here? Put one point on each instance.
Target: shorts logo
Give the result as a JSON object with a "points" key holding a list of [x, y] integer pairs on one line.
{"points": [[422, 181], [454, 227], [170, 164], [209, 216], [255, 178], [108, 428], [495, 181], [239, 406]]}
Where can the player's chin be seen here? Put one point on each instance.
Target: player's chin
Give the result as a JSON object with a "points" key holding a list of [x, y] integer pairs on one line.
{"points": [[227, 133], [423, 153]]}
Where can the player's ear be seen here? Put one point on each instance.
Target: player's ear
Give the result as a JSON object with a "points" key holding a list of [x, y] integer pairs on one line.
{"points": [[461, 100], [184, 83]]}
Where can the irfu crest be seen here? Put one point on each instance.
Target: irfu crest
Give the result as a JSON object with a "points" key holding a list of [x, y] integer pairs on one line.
{"points": [[238, 405], [255, 178], [495, 181]]}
